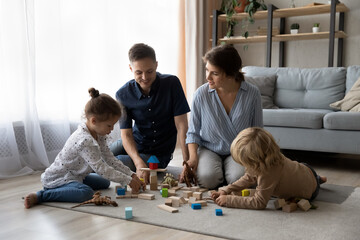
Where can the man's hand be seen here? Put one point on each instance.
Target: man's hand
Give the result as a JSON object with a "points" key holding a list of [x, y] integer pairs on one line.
{"points": [[142, 174]]}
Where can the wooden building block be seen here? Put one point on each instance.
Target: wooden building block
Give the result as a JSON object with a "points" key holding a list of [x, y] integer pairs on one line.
{"points": [[279, 203], [171, 192], [182, 200], [202, 202], [203, 190], [175, 201], [191, 200], [304, 205], [176, 188], [245, 193], [197, 195], [218, 212], [146, 196], [168, 202], [128, 213], [153, 186], [196, 206], [164, 192], [291, 207], [153, 179], [187, 194], [168, 208], [194, 189]]}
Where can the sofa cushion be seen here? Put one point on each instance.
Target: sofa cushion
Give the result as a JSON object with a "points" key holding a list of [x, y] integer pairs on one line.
{"points": [[351, 101], [266, 85], [311, 88], [300, 118], [352, 74], [342, 121]]}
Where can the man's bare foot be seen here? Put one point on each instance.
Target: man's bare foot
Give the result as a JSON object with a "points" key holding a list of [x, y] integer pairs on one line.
{"points": [[323, 179], [30, 200]]}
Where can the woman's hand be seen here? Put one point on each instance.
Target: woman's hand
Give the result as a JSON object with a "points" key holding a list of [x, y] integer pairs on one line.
{"points": [[193, 164]]}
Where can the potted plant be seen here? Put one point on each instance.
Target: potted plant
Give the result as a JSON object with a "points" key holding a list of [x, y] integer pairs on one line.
{"points": [[294, 28], [230, 7], [316, 28]]}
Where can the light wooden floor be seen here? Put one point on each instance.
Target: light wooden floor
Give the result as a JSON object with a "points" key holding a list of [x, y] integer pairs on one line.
{"points": [[43, 222]]}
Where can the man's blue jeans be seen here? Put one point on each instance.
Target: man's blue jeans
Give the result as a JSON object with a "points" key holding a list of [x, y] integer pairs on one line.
{"points": [[74, 191], [119, 152]]}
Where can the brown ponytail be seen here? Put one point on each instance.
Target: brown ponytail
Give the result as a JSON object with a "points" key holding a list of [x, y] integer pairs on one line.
{"points": [[101, 106]]}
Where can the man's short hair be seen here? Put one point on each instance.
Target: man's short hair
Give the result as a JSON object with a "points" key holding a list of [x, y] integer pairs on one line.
{"points": [[140, 51]]}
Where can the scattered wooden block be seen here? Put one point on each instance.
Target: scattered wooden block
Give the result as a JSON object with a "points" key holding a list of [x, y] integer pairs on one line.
{"points": [[196, 206], [171, 192], [197, 195], [194, 189], [201, 202], [175, 201], [245, 193], [168, 202], [291, 207], [168, 208], [187, 194], [146, 196], [218, 212], [176, 188], [182, 200], [128, 213], [203, 190], [279, 203], [304, 205]]}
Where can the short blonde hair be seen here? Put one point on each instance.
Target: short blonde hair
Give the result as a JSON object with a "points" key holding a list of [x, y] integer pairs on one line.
{"points": [[256, 149]]}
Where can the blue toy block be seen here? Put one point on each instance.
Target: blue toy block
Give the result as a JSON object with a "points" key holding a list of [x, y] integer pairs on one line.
{"points": [[218, 212], [153, 159], [196, 206], [120, 191], [164, 192], [128, 213]]}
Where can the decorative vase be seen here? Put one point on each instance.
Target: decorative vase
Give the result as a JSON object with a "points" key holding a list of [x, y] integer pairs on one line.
{"points": [[315, 29], [243, 4], [294, 31]]}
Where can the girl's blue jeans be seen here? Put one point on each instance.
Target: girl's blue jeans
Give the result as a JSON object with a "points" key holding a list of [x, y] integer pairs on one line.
{"points": [[74, 191]]}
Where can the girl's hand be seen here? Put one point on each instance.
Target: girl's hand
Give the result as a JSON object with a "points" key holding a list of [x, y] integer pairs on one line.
{"points": [[221, 200]]}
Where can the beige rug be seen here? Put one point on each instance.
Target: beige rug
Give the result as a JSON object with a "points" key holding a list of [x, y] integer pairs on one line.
{"points": [[337, 217]]}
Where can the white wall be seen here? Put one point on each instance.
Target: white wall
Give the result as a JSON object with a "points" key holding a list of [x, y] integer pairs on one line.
{"points": [[307, 53]]}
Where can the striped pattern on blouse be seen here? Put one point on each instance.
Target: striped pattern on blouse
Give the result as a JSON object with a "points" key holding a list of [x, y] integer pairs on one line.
{"points": [[211, 127]]}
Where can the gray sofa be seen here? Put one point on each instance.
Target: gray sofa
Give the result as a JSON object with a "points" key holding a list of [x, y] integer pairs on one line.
{"points": [[300, 117]]}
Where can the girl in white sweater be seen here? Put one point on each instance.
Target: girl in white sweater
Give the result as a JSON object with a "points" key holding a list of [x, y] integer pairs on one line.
{"points": [[85, 163]]}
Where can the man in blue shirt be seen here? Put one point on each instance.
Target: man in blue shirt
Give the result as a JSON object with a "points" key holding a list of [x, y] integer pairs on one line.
{"points": [[158, 106]]}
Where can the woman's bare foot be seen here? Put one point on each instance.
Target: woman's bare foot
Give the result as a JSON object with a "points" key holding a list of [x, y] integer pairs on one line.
{"points": [[323, 179], [30, 200]]}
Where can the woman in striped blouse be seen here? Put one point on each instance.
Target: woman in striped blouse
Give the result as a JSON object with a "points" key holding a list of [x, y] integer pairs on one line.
{"points": [[221, 108]]}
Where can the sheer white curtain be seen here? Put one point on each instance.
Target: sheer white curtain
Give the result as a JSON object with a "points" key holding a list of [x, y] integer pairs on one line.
{"points": [[52, 51]]}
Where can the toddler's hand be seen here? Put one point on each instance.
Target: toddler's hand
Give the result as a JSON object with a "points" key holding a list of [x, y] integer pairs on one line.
{"points": [[215, 195], [221, 200]]}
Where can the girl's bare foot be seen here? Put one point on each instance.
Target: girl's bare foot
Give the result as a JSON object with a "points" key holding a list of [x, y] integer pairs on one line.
{"points": [[323, 179], [30, 200]]}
